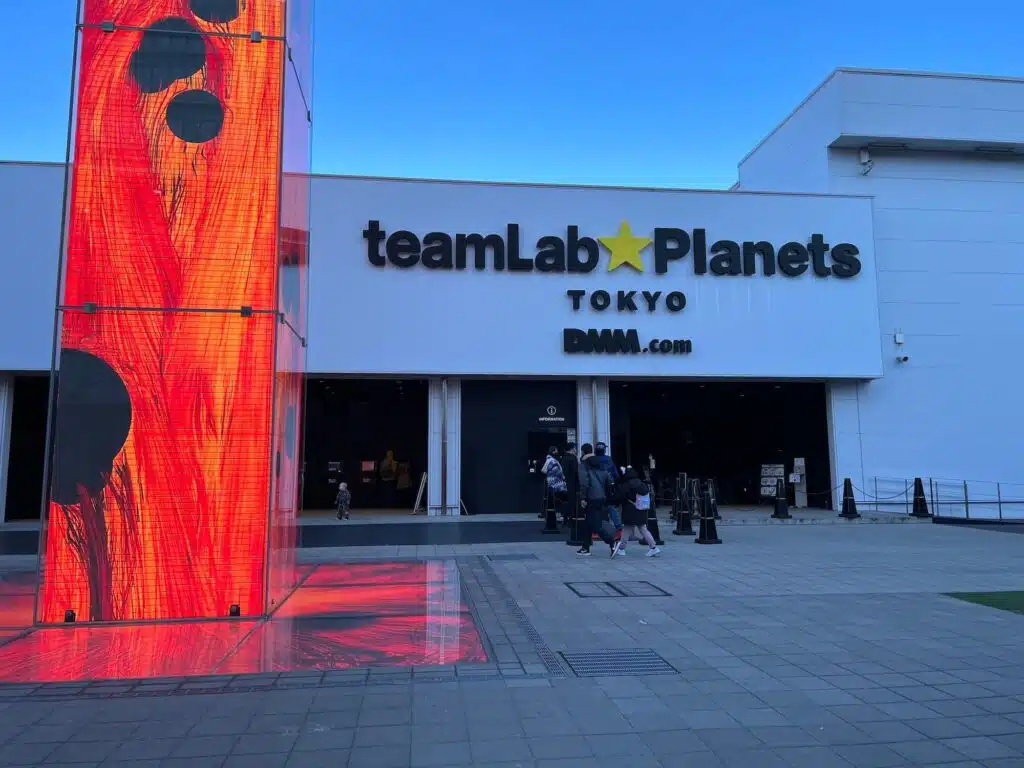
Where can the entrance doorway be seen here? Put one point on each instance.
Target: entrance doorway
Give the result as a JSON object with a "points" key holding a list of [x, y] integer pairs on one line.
{"points": [[27, 448], [507, 427], [725, 431], [370, 434]]}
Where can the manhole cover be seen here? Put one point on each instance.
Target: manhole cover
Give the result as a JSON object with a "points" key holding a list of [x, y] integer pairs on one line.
{"points": [[616, 589], [639, 589], [513, 556], [593, 589], [617, 663]]}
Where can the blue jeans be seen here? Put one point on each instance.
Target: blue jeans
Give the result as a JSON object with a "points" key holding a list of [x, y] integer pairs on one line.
{"points": [[615, 517]]}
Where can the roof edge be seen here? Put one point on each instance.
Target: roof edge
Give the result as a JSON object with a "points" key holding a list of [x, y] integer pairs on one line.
{"points": [[939, 75], [791, 114]]}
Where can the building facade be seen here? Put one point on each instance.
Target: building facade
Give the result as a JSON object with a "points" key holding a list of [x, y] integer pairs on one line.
{"points": [[869, 249]]}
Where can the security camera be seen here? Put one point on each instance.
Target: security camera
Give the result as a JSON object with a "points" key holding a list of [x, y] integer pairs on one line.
{"points": [[902, 359]]}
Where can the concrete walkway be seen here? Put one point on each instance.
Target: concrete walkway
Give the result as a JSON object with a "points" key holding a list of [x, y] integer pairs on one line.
{"points": [[810, 646]]}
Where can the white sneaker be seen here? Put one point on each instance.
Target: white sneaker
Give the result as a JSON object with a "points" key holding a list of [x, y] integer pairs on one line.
{"points": [[621, 552], [617, 549], [653, 552]]}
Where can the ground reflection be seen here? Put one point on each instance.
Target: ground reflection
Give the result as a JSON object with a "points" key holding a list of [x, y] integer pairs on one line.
{"points": [[342, 616]]}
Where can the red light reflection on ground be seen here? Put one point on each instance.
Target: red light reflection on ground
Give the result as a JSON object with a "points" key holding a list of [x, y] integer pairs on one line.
{"points": [[122, 652], [343, 616], [343, 643]]}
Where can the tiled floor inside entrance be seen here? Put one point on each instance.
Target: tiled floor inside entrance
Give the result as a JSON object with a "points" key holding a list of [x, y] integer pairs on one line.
{"points": [[342, 616]]}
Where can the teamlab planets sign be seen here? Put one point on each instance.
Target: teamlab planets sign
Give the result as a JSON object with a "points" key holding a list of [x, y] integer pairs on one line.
{"points": [[519, 280]]}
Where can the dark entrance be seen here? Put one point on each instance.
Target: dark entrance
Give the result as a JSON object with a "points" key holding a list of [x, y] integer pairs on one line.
{"points": [[28, 447], [506, 424], [351, 426], [724, 430]]}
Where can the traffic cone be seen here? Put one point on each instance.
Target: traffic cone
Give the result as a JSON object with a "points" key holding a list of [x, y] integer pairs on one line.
{"points": [[781, 502], [920, 502], [708, 532], [684, 524], [849, 503]]}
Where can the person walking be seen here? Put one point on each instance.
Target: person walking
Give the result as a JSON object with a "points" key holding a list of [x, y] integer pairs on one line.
{"points": [[613, 501], [636, 501], [554, 475], [595, 483]]}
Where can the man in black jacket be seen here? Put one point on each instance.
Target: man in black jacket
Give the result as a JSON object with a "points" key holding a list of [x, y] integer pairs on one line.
{"points": [[594, 484]]}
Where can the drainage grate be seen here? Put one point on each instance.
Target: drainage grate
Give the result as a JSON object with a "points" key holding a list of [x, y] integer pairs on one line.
{"points": [[617, 663], [616, 589], [513, 556]]}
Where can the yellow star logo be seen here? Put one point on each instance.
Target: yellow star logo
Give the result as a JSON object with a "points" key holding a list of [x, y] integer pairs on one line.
{"points": [[625, 248]]}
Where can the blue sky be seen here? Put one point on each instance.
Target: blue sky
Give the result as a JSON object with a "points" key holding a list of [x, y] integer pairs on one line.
{"points": [[647, 92]]}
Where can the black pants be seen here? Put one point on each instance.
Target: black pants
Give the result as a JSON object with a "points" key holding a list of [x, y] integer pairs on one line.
{"points": [[595, 517]]}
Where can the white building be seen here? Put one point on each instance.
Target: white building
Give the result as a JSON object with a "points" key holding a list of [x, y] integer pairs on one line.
{"points": [[858, 307]]}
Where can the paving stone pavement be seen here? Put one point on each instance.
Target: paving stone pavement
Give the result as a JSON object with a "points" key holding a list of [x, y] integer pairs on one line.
{"points": [[809, 646]]}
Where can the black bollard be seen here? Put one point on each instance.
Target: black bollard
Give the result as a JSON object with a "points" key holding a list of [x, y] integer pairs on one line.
{"points": [[920, 502], [708, 531], [849, 503], [575, 522], [684, 524], [781, 502], [550, 519]]}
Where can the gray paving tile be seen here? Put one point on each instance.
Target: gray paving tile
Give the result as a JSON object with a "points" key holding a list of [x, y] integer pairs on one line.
{"points": [[429, 755], [718, 739], [981, 748], [261, 744], [551, 749], [204, 746], [925, 752], [380, 757], [500, 750], [870, 756], [34, 754], [810, 757], [990, 725], [328, 758]]}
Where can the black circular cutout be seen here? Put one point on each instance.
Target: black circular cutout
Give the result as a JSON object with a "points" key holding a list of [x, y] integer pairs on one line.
{"points": [[171, 49], [94, 414], [215, 11], [195, 116]]}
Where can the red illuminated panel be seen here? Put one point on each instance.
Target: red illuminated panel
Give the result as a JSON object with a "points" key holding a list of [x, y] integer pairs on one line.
{"points": [[161, 461], [342, 643], [125, 652], [367, 574], [382, 599]]}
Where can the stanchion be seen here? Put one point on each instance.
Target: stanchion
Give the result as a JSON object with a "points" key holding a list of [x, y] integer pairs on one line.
{"points": [[708, 532], [920, 502], [575, 522], [781, 502], [713, 490], [849, 502], [550, 520], [684, 508]]}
